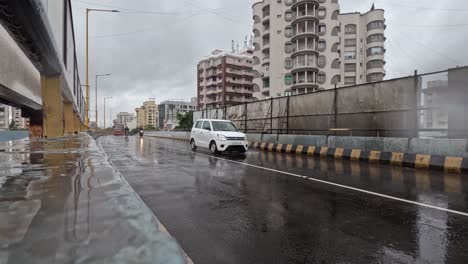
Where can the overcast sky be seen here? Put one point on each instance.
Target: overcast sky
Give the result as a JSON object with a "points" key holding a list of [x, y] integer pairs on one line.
{"points": [[152, 47]]}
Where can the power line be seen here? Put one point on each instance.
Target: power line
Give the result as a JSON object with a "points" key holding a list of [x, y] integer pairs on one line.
{"points": [[135, 11], [428, 47], [432, 26], [141, 30], [423, 7]]}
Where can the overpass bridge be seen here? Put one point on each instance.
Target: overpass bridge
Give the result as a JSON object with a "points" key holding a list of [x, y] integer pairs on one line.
{"points": [[39, 69]]}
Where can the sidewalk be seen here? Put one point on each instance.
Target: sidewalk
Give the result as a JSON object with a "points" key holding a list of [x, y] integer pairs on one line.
{"points": [[61, 201]]}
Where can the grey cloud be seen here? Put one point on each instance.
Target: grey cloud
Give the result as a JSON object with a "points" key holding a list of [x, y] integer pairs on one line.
{"points": [[159, 60]]}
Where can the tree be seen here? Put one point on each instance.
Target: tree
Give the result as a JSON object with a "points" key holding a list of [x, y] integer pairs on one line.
{"points": [[185, 120], [12, 124]]}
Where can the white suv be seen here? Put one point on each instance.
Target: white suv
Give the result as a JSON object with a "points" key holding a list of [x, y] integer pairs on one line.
{"points": [[218, 136]]}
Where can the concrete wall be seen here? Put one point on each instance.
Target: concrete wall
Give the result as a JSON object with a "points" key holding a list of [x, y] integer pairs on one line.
{"points": [[443, 147], [13, 135]]}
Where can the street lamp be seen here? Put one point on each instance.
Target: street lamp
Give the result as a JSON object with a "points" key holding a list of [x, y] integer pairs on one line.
{"points": [[98, 75], [105, 98], [88, 10]]}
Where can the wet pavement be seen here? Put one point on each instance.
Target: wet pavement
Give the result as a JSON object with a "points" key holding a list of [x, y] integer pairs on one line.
{"points": [[223, 211], [61, 201]]}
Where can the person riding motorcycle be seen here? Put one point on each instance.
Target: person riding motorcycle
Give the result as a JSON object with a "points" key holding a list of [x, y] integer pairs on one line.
{"points": [[141, 132]]}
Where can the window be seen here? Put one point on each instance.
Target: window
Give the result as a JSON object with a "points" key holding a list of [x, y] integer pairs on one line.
{"points": [[349, 80], [288, 63], [350, 29], [375, 25], [278, 16], [349, 55], [288, 16], [335, 47], [322, 29], [350, 67], [288, 32], [322, 12], [321, 45], [336, 79], [288, 48], [376, 38], [206, 125], [375, 77], [321, 77], [335, 15], [375, 51], [288, 2], [322, 60], [350, 42], [335, 31], [224, 126], [375, 64], [335, 64], [278, 32], [266, 83]]}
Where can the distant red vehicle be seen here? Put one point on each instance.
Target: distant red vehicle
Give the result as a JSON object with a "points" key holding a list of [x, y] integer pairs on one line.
{"points": [[119, 130]]}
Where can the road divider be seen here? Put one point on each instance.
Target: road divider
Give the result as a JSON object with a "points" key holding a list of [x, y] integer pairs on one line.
{"points": [[418, 161]]}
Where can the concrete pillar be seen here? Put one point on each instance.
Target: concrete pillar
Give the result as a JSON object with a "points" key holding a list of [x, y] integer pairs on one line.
{"points": [[69, 118], [77, 122], [52, 107]]}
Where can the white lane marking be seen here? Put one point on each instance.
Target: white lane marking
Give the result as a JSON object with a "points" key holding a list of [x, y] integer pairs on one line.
{"points": [[332, 183]]}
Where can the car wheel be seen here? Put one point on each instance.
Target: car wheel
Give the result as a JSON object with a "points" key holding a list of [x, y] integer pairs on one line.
{"points": [[193, 146], [213, 148]]}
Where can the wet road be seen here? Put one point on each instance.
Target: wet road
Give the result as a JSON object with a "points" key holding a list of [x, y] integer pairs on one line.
{"points": [[270, 208], [62, 202]]}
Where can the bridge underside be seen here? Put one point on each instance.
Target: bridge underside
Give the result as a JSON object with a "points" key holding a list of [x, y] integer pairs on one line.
{"points": [[33, 76]]}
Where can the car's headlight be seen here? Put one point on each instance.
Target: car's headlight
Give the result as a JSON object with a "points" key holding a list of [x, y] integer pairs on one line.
{"points": [[222, 137]]}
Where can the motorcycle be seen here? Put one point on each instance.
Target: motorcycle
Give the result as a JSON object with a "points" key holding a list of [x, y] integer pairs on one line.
{"points": [[141, 133]]}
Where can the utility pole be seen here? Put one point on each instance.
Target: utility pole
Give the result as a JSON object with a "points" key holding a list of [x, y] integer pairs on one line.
{"points": [[105, 98]]}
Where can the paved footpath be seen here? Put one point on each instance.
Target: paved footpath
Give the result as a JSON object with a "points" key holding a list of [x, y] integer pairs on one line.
{"points": [[61, 201], [280, 208]]}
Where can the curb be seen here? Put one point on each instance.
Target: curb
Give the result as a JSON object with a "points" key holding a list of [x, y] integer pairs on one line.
{"points": [[418, 161]]}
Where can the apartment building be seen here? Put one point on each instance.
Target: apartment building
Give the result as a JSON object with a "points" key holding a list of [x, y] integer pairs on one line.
{"points": [[147, 114], [302, 46], [4, 117], [168, 112], [20, 122], [225, 79]]}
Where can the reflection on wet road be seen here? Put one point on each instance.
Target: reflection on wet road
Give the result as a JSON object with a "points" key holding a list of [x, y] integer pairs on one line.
{"points": [[224, 212], [62, 202]]}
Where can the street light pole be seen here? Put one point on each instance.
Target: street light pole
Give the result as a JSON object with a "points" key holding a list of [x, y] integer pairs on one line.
{"points": [[98, 75], [105, 98], [87, 60]]}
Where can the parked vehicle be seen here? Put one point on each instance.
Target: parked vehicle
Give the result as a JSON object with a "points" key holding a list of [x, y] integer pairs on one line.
{"points": [[218, 136], [118, 130]]}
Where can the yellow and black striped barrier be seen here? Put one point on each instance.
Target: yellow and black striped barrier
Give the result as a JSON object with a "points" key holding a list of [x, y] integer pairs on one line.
{"points": [[419, 161]]}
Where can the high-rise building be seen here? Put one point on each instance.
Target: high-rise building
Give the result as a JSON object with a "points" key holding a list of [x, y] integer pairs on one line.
{"points": [[303, 46], [168, 112], [147, 114], [224, 79], [4, 117], [20, 122]]}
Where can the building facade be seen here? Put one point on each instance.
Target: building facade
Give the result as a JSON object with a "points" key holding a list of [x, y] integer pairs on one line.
{"points": [[4, 117], [168, 112], [435, 100], [225, 79], [20, 122], [302, 46], [147, 114]]}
